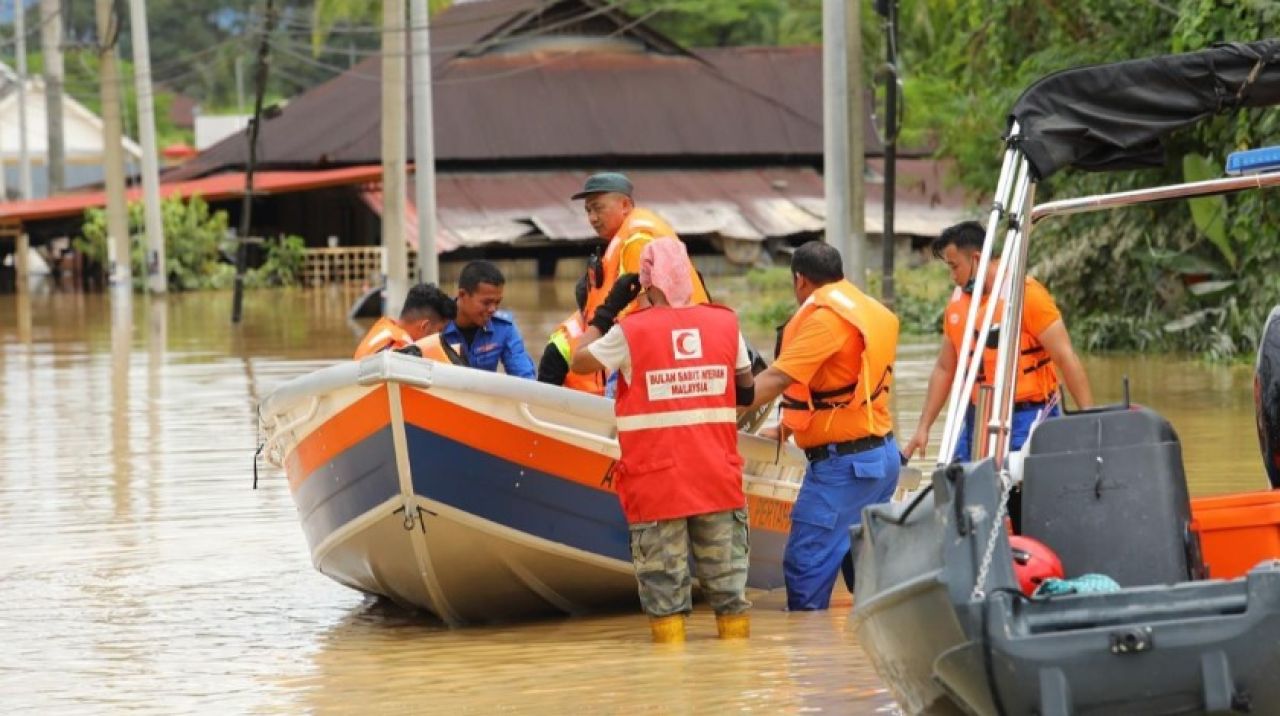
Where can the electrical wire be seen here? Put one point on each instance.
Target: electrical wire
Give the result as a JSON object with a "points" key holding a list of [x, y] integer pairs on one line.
{"points": [[486, 42]]}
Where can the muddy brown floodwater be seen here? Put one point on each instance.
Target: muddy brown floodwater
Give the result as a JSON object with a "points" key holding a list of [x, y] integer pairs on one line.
{"points": [[141, 572]]}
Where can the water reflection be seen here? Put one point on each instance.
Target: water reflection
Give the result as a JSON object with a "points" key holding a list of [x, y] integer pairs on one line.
{"points": [[142, 572]]}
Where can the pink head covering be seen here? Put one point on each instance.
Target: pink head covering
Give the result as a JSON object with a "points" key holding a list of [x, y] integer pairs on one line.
{"points": [[664, 264]]}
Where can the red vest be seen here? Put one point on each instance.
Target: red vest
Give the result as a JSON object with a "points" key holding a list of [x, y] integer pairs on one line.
{"points": [[677, 416]]}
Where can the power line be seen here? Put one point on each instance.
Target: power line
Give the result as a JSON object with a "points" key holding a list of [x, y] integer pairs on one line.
{"points": [[484, 42]]}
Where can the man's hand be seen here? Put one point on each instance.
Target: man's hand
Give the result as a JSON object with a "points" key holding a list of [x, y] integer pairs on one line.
{"points": [[919, 441], [624, 291]]}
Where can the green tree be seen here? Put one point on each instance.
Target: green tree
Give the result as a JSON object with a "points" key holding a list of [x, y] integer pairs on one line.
{"points": [[1146, 277], [193, 238]]}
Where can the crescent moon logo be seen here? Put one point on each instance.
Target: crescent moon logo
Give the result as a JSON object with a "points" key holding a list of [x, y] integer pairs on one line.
{"points": [[686, 343], [682, 343]]}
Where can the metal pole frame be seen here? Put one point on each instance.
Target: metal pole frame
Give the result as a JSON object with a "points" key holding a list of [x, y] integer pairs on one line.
{"points": [[999, 429], [1013, 166]]}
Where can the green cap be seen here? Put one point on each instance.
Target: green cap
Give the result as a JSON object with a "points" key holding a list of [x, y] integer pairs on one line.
{"points": [[605, 182]]}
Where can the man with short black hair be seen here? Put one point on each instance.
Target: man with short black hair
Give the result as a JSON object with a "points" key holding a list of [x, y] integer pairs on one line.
{"points": [[1044, 344], [426, 311], [834, 370], [482, 334]]}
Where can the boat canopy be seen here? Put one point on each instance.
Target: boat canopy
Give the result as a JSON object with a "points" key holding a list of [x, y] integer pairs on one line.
{"points": [[1115, 116]]}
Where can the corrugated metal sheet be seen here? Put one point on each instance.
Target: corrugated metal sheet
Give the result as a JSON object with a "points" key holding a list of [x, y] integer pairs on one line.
{"points": [[514, 208], [585, 107], [214, 188]]}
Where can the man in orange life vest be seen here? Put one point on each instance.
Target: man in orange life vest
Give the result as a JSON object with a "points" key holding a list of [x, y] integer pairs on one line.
{"points": [[627, 229], [834, 371], [1044, 344], [553, 368], [426, 311], [682, 369]]}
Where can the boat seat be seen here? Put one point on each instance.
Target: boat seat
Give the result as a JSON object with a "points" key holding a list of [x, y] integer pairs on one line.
{"points": [[1106, 490]]}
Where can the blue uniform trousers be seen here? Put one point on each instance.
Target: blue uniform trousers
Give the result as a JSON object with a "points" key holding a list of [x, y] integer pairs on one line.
{"points": [[830, 502], [1022, 421]]}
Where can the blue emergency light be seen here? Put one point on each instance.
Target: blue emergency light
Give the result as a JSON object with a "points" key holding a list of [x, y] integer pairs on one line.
{"points": [[1253, 161]]}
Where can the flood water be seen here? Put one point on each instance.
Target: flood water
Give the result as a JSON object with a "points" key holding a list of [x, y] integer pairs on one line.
{"points": [[141, 572]]}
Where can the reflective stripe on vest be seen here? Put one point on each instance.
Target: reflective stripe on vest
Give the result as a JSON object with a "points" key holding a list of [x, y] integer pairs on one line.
{"points": [[676, 414], [564, 338], [678, 418], [879, 328]]}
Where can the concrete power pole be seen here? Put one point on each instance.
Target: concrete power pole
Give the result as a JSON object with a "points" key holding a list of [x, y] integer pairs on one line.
{"points": [[394, 161], [119, 268], [424, 150], [843, 143], [24, 155], [51, 49], [157, 275]]}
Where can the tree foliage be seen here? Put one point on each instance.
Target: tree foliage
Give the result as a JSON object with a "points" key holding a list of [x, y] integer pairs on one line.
{"points": [[1198, 277]]}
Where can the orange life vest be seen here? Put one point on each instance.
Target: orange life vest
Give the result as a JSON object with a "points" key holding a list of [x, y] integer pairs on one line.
{"points": [[1036, 380], [434, 349], [386, 334], [563, 339], [879, 328], [640, 225]]}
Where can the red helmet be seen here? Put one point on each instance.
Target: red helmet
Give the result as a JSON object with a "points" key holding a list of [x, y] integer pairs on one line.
{"points": [[1033, 563]]}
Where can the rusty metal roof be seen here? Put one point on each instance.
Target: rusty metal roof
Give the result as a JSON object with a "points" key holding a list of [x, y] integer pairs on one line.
{"points": [[593, 105], [533, 207]]}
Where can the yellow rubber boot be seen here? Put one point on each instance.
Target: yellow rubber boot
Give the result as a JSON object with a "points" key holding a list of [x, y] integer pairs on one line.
{"points": [[667, 630], [733, 626]]}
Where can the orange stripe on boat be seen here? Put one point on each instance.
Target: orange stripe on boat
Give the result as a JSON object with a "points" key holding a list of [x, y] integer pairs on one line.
{"points": [[336, 435], [509, 442]]}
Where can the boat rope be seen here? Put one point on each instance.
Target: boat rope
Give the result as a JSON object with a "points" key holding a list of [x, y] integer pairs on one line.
{"points": [[256, 453], [997, 523]]}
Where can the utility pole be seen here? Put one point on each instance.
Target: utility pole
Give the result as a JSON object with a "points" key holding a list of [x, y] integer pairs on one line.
{"points": [[394, 162], [157, 275], [239, 84], [51, 49], [424, 149], [893, 87], [24, 155], [843, 144], [119, 268], [246, 207]]}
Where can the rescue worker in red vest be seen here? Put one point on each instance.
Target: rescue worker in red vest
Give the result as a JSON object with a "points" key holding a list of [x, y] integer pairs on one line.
{"points": [[627, 229], [682, 369], [426, 311], [1045, 344], [834, 371], [553, 368]]}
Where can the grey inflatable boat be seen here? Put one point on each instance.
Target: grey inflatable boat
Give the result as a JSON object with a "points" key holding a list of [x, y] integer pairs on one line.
{"points": [[937, 606]]}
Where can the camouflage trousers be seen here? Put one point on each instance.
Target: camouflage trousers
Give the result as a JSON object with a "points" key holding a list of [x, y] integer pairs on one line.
{"points": [[719, 543]]}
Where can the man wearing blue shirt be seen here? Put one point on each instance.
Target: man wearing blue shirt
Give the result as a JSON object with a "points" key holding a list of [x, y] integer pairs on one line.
{"points": [[481, 333]]}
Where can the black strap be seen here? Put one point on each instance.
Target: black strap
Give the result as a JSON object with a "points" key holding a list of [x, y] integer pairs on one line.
{"points": [[1037, 365], [454, 357], [817, 397]]}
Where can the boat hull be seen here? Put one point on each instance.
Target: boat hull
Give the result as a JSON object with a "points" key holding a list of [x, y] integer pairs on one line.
{"points": [[479, 497], [1208, 646]]}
